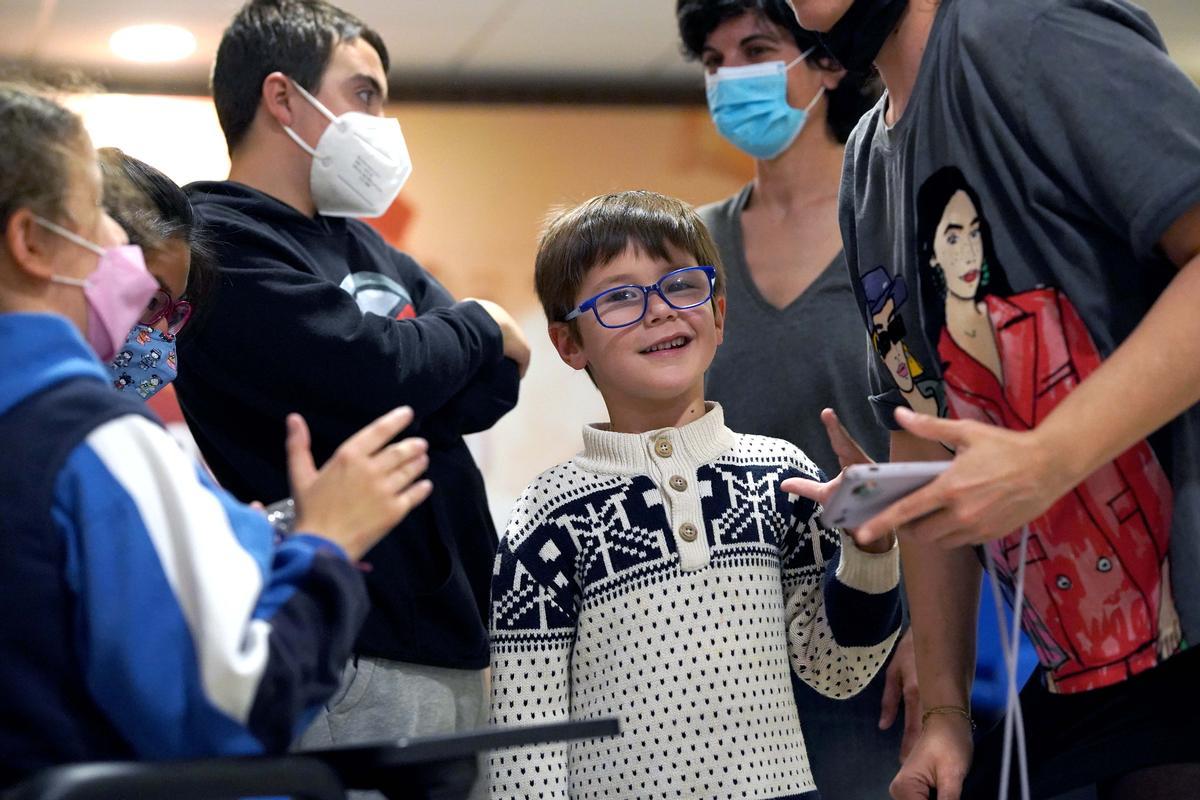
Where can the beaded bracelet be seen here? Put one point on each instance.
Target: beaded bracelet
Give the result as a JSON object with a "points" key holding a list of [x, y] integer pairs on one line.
{"points": [[959, 710]]}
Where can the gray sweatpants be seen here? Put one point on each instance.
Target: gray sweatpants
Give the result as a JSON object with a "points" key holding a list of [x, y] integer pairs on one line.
{"points": [[381, 700]]}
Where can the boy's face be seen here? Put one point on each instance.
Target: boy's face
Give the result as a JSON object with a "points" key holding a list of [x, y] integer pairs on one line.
{"points": [[623, 365], [354, 80]]}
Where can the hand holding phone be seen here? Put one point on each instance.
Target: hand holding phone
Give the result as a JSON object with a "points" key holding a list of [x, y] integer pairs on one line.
{"points": [[867, 489]]}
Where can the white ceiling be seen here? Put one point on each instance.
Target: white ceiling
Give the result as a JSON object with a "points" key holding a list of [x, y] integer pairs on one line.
{"points": [[435, 42]]}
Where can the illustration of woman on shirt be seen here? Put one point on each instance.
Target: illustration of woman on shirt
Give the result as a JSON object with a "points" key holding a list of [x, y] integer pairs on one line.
{"points": [[1097, 588]]}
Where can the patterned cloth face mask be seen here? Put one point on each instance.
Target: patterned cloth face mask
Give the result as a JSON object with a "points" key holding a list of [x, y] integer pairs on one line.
{"points": [[145, 363]]}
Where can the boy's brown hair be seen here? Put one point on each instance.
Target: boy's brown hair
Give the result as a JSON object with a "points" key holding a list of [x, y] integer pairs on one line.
{"points": [[577, 240]]}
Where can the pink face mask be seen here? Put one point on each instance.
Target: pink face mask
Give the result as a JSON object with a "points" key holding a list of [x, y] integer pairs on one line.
{"points": [[116, 292]]}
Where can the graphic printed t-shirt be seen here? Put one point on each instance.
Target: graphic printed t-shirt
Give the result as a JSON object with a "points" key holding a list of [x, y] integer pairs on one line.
{"points": [[1002, 242]]}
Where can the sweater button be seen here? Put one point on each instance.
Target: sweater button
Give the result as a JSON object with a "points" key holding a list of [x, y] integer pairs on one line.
{"points": [[688, 532], [678, 483], [662, 446]]}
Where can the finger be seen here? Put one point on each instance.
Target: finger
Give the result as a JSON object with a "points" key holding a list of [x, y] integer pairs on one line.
{"points": [[962, 537], [380, 432], [845, 448], [257, 506], [412, 497], [301, 469], [813, 490], [949, 787], [936, 429], [909, 787], [907, 509], [395, 455], [941, 526], [890, 704], [406, 473]]}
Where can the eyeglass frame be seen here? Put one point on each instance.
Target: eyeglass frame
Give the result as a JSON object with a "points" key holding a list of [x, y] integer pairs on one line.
{"points": [[149, 319], [590, 303]]}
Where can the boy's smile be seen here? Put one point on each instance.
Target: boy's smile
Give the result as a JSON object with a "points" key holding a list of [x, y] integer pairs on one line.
{"points": [[651, 373]]}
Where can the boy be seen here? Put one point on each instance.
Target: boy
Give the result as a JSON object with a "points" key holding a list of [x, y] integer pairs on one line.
{"points": [[319, 314], [663, 576]]}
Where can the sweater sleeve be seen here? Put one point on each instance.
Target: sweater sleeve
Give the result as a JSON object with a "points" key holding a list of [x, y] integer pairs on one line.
{"points": [[533, 616], [843, 604], [199, 636], [492, 390], [314, 346]]}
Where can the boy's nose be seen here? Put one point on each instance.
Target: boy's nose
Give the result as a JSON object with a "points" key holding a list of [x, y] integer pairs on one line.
{"points": [[658, 309]]}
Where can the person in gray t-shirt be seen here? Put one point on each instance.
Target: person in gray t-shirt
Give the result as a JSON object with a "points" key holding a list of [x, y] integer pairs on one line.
{"points": [[1032, 177], [786, 284]]}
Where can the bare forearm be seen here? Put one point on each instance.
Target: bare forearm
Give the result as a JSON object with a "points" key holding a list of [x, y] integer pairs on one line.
{"points": [[1149, 380], [943, 599]]}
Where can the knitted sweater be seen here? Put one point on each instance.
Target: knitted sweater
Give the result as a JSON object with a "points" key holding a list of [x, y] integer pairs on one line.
{"points": [[665, 579]]}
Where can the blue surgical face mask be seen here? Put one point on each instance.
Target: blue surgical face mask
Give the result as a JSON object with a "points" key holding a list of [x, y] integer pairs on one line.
{"points": [[145, 363], [749, 107]]}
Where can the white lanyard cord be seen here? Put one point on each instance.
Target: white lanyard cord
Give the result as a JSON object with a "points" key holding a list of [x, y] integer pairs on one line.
{"points": [[1010, 643]]}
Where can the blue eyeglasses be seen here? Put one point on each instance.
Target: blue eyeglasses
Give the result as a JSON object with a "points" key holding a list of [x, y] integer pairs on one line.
{"points": [[622, 306]]}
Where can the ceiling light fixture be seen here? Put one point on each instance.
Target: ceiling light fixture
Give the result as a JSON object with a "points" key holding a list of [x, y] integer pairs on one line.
{"points": [[153, 44]]}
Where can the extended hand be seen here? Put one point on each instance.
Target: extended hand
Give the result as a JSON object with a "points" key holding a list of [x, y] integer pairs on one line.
{"points": [[849, 452], [999, 480], [364, 489]]}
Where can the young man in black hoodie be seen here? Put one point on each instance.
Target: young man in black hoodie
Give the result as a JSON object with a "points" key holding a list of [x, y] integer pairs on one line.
{"points": [[316, 314]]}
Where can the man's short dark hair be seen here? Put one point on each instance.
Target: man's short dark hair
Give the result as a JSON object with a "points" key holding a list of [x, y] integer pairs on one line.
{"points": [[295, 37], [853, 97]]}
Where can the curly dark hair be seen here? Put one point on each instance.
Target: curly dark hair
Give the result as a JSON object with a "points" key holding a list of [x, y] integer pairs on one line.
{"points": [[853, 97]]}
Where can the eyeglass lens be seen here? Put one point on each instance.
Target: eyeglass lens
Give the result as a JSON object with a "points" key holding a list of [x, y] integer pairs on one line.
{"points": [[625, 305]]}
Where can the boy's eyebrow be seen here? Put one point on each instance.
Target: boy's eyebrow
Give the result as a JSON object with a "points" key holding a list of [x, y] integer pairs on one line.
{"points": [[626, 279]]}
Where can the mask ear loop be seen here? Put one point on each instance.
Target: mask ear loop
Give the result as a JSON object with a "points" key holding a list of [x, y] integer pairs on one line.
{"points": [[319, 106], [69, 235], [1014, 721]]}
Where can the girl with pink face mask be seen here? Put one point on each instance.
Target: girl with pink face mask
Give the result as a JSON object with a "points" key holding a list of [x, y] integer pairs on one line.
{"points": [[156, 616]]}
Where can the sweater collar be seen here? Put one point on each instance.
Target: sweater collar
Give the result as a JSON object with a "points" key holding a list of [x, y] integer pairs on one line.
{"points": [[698, 442]]}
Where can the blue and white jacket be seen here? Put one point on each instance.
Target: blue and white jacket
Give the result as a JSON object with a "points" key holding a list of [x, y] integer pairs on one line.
{"points": [[147, 614]]}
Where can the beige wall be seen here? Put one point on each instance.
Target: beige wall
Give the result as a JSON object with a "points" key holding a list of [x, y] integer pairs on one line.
{"points": [[484, 178]]}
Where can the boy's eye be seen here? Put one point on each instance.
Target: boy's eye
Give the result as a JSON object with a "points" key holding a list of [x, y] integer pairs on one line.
{"points": [[682, 284], [619, 295]]}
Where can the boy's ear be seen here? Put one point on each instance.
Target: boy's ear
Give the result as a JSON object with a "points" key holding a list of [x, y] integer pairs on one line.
{"points": [[568, 345], [719, 317]]}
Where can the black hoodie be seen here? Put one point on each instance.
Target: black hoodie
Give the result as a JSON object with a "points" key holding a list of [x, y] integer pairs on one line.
{"points": [[321, 316]]}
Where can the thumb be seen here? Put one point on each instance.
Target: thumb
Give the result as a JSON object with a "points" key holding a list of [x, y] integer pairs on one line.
{"points": [[847, 450], [302, 471], [910, 787]]}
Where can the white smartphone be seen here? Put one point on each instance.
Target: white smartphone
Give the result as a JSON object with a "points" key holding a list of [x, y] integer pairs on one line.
{"points": [[867, 489]]}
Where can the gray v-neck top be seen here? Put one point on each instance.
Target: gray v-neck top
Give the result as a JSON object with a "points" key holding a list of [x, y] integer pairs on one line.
{"points": [[777, 368]]}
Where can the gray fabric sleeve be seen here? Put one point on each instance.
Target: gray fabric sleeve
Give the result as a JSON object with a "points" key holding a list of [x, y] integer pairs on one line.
{"points": [[1112, 117]]}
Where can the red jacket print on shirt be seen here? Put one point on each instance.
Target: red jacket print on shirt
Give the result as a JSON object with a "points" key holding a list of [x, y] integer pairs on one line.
{"points": [[1095, 562]]}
